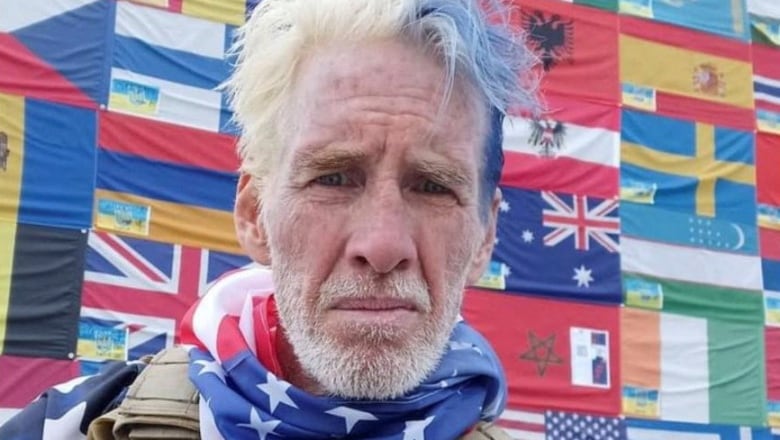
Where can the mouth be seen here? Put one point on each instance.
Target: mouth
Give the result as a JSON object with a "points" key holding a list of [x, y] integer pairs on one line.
{"points": [[374, 305]]}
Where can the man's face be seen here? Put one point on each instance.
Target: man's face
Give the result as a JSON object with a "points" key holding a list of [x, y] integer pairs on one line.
{"points": [[372, 216]]}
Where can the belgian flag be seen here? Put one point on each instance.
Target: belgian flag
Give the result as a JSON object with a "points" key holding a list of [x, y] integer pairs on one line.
{"points": [[41, 272]]}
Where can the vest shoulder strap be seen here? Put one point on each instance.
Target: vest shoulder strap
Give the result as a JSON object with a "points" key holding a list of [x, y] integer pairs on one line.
{"points": [[486, 431], [161, 403]]}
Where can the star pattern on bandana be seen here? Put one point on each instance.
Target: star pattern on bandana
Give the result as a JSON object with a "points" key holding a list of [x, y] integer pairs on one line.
{"points": [[256, 423], [277, 392], [211, 367], [459, 345], [415, 429], [351, 416]]}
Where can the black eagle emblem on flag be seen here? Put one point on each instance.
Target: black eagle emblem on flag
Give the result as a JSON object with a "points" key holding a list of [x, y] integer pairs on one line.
{"points": [[547, 135], [550, 36]]}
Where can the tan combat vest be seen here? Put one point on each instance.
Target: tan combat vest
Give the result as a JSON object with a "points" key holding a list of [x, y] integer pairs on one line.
{"points": [[162, 404]]}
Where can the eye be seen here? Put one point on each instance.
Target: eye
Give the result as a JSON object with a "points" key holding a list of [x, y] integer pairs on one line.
{"points": [[431, 187], [334, 179]]}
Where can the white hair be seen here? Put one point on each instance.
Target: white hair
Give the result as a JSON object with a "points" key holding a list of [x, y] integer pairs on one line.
{"points": [[471, 37]]}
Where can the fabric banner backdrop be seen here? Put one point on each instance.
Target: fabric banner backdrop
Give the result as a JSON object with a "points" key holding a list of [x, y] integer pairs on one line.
{"points": [[686, 74], [558, 355], [221, 11], [39, 137], [576, 46], [40, 290], [68, 68], [165, 204], [766, 88], [146, 287], [726, 18]]}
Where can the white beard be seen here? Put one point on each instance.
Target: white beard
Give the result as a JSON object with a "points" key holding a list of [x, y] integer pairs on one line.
{"points": [[365, 361]]}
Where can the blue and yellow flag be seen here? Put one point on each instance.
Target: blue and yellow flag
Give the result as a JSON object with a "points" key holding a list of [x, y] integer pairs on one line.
{"points": [[49, 162], [688, 183]]}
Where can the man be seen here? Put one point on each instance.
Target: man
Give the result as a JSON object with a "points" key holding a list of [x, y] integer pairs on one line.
{"points": [[371, 152]]}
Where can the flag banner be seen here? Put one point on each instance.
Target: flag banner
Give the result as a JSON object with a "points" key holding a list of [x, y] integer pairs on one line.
{"points": [[574, 148], [693, 367], [522, 424], [166, 67], [40, 286], [142, 165], [558, 245], [68, 68], [766, 88], [765, 30], [683, 73], [48, 162], [537, 341], [24, 378], [688, 183], [98, 341], [726, 18], [686, 264], [610, 5], [772, 341], [576, 46], [220, 11], [146, 287], [765, 8], [768, 179], [639, 429]]}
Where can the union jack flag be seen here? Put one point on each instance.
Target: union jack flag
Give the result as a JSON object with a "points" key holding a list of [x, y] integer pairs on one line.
{"points": [[147, 286], [581, 221]]}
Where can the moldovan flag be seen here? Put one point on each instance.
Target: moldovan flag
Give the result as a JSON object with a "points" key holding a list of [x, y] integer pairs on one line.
{"points": [[40, 289], [166, 67], [556, 354], [766, 87], [684, 73], [700, 359], [166, 182], [688, 183], [220, 11], [576, 45], [55, 50], [47, 161], [726, 18], [574, 148]]}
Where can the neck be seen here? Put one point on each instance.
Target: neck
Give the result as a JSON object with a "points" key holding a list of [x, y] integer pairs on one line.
{"points": [[292, 370]]}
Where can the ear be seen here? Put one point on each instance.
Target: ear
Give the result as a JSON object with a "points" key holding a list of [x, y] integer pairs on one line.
{"points": [[246, 216], [482, 257]]}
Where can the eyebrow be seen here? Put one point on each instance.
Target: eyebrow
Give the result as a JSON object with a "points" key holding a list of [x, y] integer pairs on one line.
{"points": [[449, 175], [330, 159]]}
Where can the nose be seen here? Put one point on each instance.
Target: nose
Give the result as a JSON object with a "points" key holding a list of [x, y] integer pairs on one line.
{"points": [[382, 236]]}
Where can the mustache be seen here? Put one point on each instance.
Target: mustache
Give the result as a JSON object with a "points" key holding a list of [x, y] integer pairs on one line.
{"points": [[394, 287]]}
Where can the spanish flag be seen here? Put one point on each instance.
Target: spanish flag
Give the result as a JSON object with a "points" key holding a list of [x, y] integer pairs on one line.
{"points": [[686, 74]]}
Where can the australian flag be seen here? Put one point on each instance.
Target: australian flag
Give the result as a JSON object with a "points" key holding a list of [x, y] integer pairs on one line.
{"points": [[558, 245]]}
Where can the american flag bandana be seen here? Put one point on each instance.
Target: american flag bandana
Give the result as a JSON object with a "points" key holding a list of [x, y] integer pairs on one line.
{"points": [[242, 399]]}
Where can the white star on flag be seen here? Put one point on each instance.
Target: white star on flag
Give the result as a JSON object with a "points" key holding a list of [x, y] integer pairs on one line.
{"points": [[277, 392], [504, 206], [66, 423], [258, 425], [350, 416], [415, 429], [505, 270], [528, 236], [211, 367], [582, 276]]}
